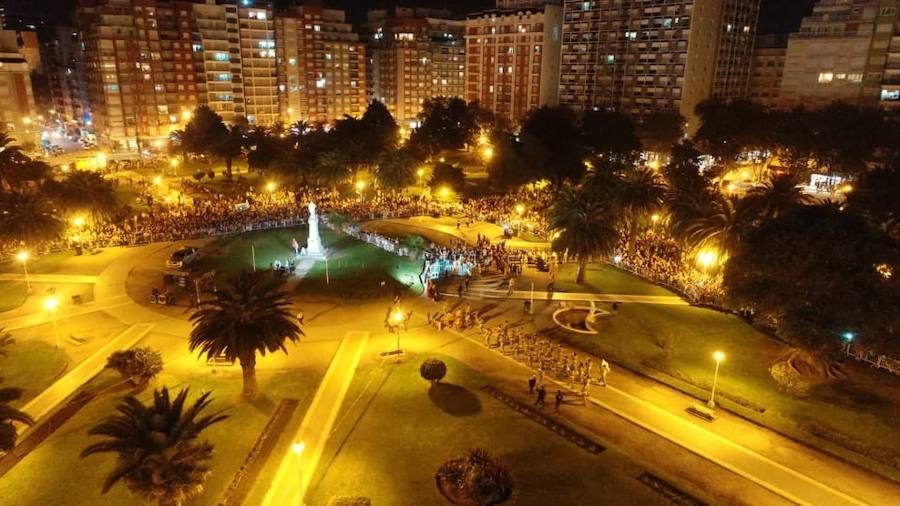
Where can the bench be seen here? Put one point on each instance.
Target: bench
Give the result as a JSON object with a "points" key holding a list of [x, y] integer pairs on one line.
{"points": [[76, 339], [219, 360], [701, 412]]}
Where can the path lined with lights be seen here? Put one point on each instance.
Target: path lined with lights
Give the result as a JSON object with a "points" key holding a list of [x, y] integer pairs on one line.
{"points": [[298, 465], [493, 293]]}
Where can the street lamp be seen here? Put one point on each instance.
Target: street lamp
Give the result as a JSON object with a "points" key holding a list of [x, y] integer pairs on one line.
{"points": [[22, 256], [298, 448], [173, 162], [707, 257], [420, 173], [157, 180], [271, 186], [360, 185], [51, 304], [487, 153], [719, 357], [396, 318], [520, 209]]}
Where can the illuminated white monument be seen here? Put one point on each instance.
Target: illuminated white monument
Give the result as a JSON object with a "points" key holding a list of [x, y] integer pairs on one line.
{"points": [[314, 242]]}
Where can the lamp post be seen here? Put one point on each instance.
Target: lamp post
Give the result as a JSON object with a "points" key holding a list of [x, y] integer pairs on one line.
{"points": [[719, 356], [174, 164], [420, 173], [298, 448], [50, 304], [399, 320], [22, 256]]}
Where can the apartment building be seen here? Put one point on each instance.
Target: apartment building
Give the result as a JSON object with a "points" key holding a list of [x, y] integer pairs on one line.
{"points": [[846, 50], [258, 69], [321, 66], [216, 47], [767, 70], [411, 56], [647, 56], [63, 64], [16, 93], [513, 59]]}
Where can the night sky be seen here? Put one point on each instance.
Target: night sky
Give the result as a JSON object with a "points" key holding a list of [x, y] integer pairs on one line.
{"points": [[777, 16]]}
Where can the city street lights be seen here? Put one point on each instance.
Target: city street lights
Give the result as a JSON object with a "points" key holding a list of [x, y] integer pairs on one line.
{"points": [[271, 186], [22, 256], [719, 356], [298, 448], [173, 162], [360, 186], [50, 304], [420, 173]]}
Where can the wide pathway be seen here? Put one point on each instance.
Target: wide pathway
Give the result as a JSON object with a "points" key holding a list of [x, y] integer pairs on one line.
{"points": [[51, 278], [492, 293], [50, 398], [297, 469], [779, 478]]}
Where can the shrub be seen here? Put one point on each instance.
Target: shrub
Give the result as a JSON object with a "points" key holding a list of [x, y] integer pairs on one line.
{"points": [[433, 370], [199, 175], [478, 478], [211, 174], [137, 365]]}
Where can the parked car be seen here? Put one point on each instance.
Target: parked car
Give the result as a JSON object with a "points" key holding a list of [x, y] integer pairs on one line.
{"points": [[182, 257]]}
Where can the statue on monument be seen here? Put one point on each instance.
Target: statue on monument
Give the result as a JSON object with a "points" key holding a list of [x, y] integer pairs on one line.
{"points": [[314, 242]]}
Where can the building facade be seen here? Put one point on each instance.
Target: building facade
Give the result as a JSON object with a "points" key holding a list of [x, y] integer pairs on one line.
{"points": [[846, 50], [647, 56], [512, 59], [767, 70], [63, 62], [321, 66], [412, 55], [18, 111]]}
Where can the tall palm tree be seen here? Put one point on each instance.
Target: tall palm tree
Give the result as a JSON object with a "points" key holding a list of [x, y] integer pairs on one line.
{"points": [[231, 145], [86, 191], [9, 416], [585, 225], [10, 157], [642, 191], [722, 227], [27, 218], [777, 196], [396, 169], [159, 455], [249, 316], [331, 168]]}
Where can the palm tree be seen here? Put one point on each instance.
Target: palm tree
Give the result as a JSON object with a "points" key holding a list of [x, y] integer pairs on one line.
{"points": [[27, 218], [642, 191], [331, 168], [86, 191], [9, 416], [231, 145], [722, 227], [585, 225], [248, 317], [6, 340], [10, 157], [777, 196], [159, 455]]}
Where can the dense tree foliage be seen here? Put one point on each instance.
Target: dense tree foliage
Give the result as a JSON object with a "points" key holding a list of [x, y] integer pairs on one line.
{"points": [[552, 145], [610, 134], [875, 196], [447, 175], [446, 123]]}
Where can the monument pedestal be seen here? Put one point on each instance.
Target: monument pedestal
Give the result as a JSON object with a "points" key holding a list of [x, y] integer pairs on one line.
{"points": [[314, 241]]}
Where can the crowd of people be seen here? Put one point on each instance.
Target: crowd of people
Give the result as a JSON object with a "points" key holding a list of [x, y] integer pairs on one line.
{"points": [[522, 209]]}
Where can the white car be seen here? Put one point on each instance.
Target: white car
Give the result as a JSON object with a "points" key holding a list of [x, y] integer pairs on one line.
{"points": [[182, 257]]}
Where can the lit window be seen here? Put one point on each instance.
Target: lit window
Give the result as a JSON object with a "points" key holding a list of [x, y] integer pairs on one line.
{"points": [[890, 95], [585, 6], [292, 61], [320, 83], [856, 78], [826, 77], [610, 58]]}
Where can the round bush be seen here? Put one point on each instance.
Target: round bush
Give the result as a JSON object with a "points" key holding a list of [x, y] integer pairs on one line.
{"points": [[433, 370]]}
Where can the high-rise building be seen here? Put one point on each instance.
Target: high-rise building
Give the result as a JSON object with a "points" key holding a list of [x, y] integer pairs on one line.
{"points": [[258, 70], [321, 65], [645, 56], [18, 111], [845, 50], [63, 62], [512, 59], [767, 69], [217, 60], [411, 56]]}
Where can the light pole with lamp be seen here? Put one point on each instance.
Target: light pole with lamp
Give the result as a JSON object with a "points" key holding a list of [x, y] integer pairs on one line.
{"points": [[298, 448], [396, 318], [22, 256], [719, 356], [50, 304]]}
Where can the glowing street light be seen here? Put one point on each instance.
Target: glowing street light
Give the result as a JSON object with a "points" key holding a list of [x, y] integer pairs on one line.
{"points": [[174, 162], [487, 153], [157, 180], [719, 357], [101, 159], [444, 192], [420, 173], [271, 186], [654, 217], [707, 258], [298, 448], [186, 115], [397, 318], [520, 209], [482, 139], [51, 304], [22, 256]]}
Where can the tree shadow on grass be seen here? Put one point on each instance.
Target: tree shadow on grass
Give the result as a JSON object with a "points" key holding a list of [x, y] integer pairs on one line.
{"points": [[454, 399]]}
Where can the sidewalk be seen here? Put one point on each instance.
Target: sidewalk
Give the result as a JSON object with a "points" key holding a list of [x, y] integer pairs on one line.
{"points": [[47, 400], [297, 469], [493, 293], [51, 278], [780, 465]]}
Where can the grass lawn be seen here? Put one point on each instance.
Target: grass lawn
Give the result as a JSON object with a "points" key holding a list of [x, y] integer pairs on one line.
{"points": [[352, 265], [599, 278], [401, 230], [73, 481], [674, 344], [395, 433], [12, 295], [31, 365]]}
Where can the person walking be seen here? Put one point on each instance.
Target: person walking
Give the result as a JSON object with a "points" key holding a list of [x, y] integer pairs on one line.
{"points": [[541, 395], [559, 399], [532, 381], [604, 370]]}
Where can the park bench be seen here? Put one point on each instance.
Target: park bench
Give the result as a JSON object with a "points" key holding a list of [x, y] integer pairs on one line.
{"points": [[76, 339], [701, 412], [219, 360]]}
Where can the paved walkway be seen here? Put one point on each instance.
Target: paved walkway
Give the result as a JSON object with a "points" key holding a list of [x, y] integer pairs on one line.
{"points": [[492, 293], [784, 480], [52, 278], [56, 393], [295, 471], [42, 317]]}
